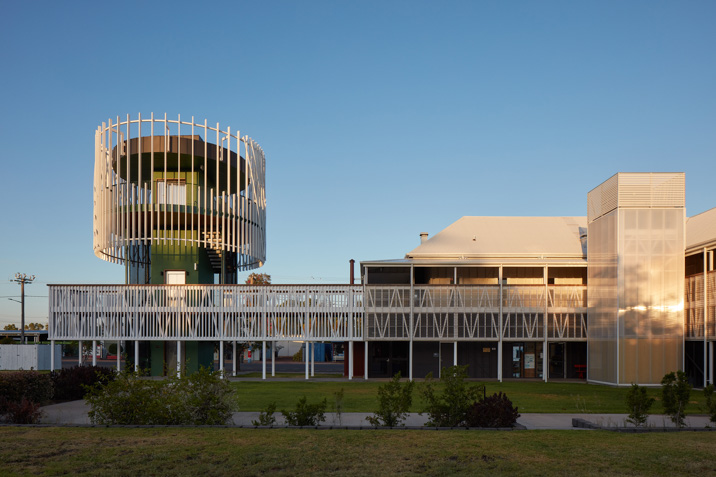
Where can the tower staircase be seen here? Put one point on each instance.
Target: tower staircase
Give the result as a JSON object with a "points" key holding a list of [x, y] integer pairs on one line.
{"points": [[214, 249]]}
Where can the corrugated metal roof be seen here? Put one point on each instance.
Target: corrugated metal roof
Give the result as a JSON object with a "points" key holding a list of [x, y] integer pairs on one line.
{"points": [[478, 261], [701, 230], [508, 237]]}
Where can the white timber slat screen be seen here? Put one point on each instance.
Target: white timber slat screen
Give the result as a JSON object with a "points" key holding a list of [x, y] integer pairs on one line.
{"points": [[158, 180], [206, 312]]}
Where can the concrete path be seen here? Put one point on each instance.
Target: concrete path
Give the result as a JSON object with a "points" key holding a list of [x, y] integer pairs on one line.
{"points": [[72, 412], [75, 412]]}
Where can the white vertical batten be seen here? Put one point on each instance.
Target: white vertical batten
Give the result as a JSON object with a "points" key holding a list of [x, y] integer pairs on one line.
{"points": [[125, 206]]}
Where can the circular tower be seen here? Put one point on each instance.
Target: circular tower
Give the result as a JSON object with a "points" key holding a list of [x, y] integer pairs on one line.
{"points": [[178, 201]]}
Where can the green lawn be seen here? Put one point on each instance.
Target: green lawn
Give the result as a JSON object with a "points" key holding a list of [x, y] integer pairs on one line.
{"points": [[224, 451], [361, 396]]}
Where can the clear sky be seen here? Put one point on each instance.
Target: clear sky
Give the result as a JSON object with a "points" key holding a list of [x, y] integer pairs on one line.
{"points": [[379, 120]]}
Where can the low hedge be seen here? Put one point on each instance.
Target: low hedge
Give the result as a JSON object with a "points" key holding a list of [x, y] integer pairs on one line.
{"points": [[69, 383], [21, 395], [30, 385]]}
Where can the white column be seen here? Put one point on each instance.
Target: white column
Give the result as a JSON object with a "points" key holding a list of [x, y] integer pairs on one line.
{"points": [[412, 324], [52, 355], [79, 353], [313, 359], [365, 361], [94, 352], [263, 359], [350, 360], [119, 353], [454, 354], [706, 315], [221, 358], [499, 360], [178, 358], [711, 360], [136, 356], [234, 357], [273, 359], [305, 357], [499, 332], [545, 346], [410, 360]]}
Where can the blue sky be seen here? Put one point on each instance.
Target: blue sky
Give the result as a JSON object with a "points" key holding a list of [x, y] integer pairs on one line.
{"points": [[379, 120]]}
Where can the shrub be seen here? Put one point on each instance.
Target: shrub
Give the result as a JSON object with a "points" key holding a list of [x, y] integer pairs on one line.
{"points": [[30, 385], [298, 356], [450, 408], [131, 400], [492, 411], [266, 417], [24, 412], [394, 400], [202, 398], [675, 393], [638, 402], [306, 414], [710, 402], [210, 400], [70, 383]]}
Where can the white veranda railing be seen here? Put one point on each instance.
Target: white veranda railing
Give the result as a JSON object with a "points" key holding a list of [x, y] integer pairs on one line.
{"points": [[206, 312]]}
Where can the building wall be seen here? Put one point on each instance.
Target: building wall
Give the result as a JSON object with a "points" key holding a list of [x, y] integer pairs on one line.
{"points": [[651, 293], [180, 256], [635, 278], [603, 308]]}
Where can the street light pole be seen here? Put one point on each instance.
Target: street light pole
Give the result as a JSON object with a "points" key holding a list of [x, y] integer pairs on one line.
{"points": [[21, 278]]}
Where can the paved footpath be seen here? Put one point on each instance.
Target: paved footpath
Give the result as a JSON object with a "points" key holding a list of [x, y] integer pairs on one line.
{"points": [[75, 412]]}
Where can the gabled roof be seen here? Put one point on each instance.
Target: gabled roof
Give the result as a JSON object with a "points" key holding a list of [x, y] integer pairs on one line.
{"points": [[508, 237], [701, 230]]}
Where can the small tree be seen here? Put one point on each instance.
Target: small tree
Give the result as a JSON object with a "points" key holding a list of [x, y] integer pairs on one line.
{"points": [[675, 393], [450, 408], [10, 327], [259, 279], [638, 402], [394, 400], [266, 417], [338, 404], [306, 414]]}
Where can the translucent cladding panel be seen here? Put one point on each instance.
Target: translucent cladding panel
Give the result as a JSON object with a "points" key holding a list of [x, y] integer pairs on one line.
{"points": [[651, 293], [602, 298]]}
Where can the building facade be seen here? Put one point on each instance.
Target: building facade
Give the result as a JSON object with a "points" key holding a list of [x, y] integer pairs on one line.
{"points": [[623, 295]]}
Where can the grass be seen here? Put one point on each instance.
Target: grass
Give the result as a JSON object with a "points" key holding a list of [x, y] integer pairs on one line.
{"points": [[361, 396], [222, 451]]}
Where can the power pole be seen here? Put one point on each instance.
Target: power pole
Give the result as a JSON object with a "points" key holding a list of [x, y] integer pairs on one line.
{"points": [[21, 278]]}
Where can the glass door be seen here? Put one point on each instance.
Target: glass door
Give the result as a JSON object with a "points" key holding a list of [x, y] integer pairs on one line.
{"points": [[518, 350]]}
